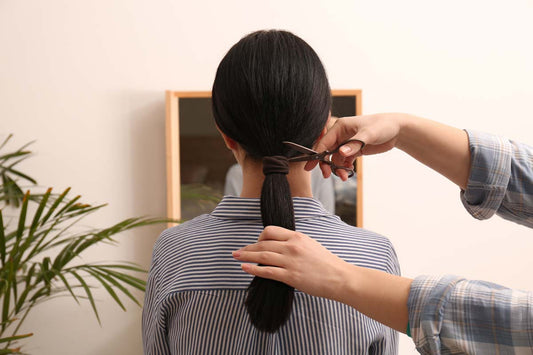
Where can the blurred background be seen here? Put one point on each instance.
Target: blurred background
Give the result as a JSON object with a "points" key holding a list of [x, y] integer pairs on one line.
{"points": [[87, 81]]}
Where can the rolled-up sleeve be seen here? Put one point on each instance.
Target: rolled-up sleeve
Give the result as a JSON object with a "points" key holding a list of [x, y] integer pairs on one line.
{"points": [[448, 314], [500, 180]]}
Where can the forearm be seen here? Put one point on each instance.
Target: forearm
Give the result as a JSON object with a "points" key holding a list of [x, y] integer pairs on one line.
{"points": [[472, 317], [377, 294], [443, 148]]}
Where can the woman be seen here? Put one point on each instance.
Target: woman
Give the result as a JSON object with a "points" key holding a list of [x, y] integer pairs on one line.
{"points": [[269, 88]]}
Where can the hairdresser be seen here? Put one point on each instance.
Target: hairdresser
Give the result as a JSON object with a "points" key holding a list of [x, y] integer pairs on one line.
{"points": [[446, 314]]}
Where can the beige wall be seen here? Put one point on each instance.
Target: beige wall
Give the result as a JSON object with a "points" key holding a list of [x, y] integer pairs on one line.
{"points": [[87, 80]]}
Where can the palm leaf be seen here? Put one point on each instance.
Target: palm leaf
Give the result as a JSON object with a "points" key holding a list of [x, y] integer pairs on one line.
{"points": [[88, 293], [2, 241], [56, 203], [67, 285], [6, 293], [6, 140], [117, 285], [15, 337], [108, 288]]}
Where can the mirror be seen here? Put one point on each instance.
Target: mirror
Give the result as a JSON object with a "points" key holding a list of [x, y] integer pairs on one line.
{"points": [[200, 169]]}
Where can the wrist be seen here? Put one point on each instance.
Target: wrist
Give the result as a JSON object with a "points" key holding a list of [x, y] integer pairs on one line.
{"points": [[406, 126], [347, 287]]}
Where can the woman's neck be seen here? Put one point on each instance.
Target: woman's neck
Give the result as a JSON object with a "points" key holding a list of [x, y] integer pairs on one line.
{"points": [[252, 173]]}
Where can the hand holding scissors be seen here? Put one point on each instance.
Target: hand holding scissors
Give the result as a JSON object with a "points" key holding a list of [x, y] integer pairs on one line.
{"points": [[324, 157]]}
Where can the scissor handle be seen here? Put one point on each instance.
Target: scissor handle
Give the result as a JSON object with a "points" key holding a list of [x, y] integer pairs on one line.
{"points": [[334, 168]]}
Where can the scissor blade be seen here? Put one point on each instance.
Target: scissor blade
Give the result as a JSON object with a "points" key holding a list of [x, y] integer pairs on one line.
{"points": [[300, 148]]}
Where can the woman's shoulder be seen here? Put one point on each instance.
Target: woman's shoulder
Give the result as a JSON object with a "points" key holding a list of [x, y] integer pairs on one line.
{"points": [[354, 244], [175, 234]]}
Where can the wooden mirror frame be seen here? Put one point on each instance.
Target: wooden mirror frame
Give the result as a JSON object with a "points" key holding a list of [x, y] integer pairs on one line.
{"points": [[172, 132]]}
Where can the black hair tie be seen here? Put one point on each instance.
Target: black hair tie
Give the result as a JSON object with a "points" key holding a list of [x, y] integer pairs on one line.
{"points": [[275, 165]]}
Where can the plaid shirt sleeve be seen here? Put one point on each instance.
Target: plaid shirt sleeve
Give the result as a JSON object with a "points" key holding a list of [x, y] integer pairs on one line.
{"points": [[501, 179], [451, 315]]}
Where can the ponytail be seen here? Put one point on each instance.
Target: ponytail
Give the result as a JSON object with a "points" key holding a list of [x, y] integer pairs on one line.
{"points": [[271, 87], [269, 302]]}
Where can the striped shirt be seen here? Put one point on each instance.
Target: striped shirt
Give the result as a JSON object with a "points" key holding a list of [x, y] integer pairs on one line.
{"points": [[196, 290], [451, 315]]}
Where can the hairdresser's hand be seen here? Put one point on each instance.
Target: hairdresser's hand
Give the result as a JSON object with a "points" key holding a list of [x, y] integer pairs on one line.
{"points": [[443, 148], [296, 260], [379, 132]]}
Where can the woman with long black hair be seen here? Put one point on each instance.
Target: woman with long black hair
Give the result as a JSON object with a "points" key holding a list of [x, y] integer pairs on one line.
{"points": [[269, 88]]}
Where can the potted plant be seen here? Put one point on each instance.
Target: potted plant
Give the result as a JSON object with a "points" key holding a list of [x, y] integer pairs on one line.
{"points": [[41, 222]]}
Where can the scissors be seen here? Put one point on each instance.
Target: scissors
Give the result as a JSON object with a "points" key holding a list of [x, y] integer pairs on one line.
{"points": [[325, 156]]}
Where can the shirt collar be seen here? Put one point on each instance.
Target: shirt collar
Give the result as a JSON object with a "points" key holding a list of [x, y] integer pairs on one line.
{"points": [[232, 207]]}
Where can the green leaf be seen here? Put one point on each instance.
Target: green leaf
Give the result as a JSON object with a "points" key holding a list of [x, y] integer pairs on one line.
{"points": [[6, 140], [67, 285], [6, 293], [15, 337], [56, 203], [46, 272], [67, 205], [39, 211], [12, 192], [22, 298], [42, 292], [130, 267], [66, 254], [21, 226], [130, 280], [2, 241], [20, 174], [118, 285], [108, 288], [89, 294], [29, 275]]}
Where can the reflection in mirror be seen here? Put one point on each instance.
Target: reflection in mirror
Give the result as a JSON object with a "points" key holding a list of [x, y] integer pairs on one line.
{"points": [[200, 169]]}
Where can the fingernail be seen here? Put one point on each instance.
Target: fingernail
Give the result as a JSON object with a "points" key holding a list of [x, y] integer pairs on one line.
{"points": [[345, 149], [236, 253]]}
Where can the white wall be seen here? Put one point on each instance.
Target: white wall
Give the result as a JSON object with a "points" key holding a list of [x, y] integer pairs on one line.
{"points": [[87, 80]]}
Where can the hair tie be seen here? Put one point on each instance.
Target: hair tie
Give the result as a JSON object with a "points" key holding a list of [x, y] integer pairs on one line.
{"points": [[275, 165]]}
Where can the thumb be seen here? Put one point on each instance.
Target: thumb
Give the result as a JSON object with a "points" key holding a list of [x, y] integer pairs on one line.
{"points": [[344, 128], [352, 146]]}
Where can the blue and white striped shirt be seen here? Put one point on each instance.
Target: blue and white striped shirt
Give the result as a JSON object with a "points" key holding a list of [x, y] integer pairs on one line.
{"points": [[195, 294]]}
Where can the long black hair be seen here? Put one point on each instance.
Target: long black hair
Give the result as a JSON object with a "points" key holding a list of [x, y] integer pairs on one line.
{"points": [[269, 88]]}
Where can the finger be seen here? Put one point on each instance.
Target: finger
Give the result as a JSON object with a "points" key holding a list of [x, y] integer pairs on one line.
{"points": [[275, 233], [261, 257], [266, 245], [352, 148], [326, 170], [341, 160], [267, 272], [342, 174], [310, 165]]}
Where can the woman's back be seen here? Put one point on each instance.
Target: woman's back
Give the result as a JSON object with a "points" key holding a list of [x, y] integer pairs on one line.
{"points": [[196, 290]]}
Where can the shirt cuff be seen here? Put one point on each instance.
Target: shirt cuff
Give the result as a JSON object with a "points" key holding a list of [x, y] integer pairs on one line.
{"points": [[428, 297], [490, 171]]}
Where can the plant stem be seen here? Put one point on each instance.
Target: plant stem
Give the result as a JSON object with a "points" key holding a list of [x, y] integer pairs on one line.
{"points": [[21, 321]]}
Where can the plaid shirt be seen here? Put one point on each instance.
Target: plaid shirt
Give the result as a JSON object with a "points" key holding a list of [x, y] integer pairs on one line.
{"points": [[451, 315]]}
